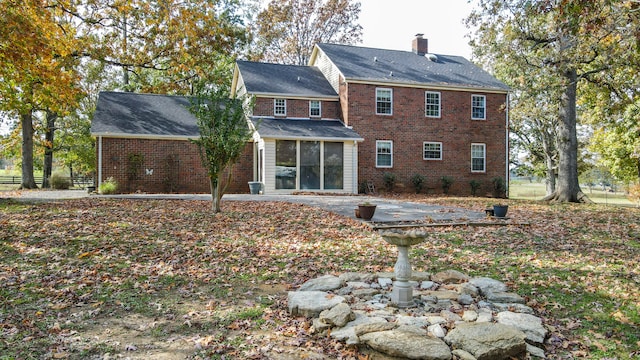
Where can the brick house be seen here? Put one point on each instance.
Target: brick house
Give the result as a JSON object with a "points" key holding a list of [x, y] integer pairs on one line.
{"points": [[402, 112], [350, 116]]}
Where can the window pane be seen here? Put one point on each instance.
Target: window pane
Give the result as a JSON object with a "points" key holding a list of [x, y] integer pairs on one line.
{"points": [[333, 165], [383, 101], [285, 164], [432, 151], [384, 155], [280, 106], [432, 104], [477, 157], [309, 165], [314, 108], [478, 107]]}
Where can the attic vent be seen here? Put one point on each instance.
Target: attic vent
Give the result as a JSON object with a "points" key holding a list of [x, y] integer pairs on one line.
{"points": [[298, 78], [375, 59], [431, 57], [391, 73]]}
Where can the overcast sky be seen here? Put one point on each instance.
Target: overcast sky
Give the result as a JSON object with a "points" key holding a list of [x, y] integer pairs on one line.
{"points": [[393, 24]]}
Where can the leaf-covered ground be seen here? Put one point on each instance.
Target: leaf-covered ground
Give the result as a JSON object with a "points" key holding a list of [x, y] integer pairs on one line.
{"points": [[166, 279]]}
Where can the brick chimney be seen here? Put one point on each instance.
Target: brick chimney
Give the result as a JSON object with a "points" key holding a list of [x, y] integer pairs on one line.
{"points": [[419, 45]]}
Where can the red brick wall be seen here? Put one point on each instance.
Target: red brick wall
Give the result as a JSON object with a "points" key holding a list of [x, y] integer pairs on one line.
{"points": [[408, 128], [297, 108], [176, 166]]}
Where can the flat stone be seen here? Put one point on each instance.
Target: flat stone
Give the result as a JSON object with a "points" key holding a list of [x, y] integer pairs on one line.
{"points": [[519, 308], [348, 334], [323, 283], [311, 303], [536, 351], [412, 320], [338, 315], [407, 345], [468, 289], [365, 293], [358, 285], [450, 276], [384, 282], [465, 299], [529, 324], [470, 316], [487, 341], [436, 320], [487, 285], [426, 285], [420, 276], [450, 316], [362, 329], [463, 355], [437, 330], [356, 276], [484, 315], [504, 297], [442, 294], [414, 329]]}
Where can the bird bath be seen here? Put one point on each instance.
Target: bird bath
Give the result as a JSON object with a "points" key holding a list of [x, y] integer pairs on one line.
{"points": [[402, 293]]}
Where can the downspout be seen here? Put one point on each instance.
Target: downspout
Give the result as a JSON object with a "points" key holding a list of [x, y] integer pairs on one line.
{"points": [[354, 172], [507, 146], [99, 160]]}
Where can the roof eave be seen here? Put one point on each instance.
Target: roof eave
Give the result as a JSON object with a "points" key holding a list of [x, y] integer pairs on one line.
{"points": [[428, 85], [143, 136], [295, 96], [337, 139]]}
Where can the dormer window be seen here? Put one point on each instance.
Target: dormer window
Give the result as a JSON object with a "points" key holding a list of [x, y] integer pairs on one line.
{"points": [[280, 107], [314, 108]]}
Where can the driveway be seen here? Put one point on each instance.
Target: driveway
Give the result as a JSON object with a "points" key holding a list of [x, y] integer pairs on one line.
{"points": [[388, 210]]}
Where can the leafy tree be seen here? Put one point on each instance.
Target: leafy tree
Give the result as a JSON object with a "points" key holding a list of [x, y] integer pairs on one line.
{"points": [[287, 30], [224, 133], [557, 45]]}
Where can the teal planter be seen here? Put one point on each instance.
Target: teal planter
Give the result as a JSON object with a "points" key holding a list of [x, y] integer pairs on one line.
{"points": [[500, 211]]}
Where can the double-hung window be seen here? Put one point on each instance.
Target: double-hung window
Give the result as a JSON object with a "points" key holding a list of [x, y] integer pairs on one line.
{"points": [[384, 101], [478, 107], [432, 150], [432, 104], [280, 107], [314, 108], [384, 153], [478, 157]]}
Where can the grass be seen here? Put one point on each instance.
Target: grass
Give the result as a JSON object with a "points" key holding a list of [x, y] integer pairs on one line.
{"points": [[169, 273], [535, 191]]}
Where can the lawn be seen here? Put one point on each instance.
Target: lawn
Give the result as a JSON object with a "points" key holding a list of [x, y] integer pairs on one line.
{"points": [[166, 279], [536, 191]]}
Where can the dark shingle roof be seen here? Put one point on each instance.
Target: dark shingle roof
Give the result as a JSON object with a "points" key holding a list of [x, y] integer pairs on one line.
{"points": [[394, 66], [130, 114], [265, 78], [296, 129]]}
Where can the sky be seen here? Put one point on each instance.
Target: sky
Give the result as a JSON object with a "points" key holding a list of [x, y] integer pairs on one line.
{"points": [[393, 24]]}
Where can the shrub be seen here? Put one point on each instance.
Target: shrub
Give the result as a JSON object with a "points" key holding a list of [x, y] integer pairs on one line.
{"points": [[446, 183], [634, 193], [110, 186], [499, 187], [475, 186], [59, 181], [389, 181], [418, 182]]}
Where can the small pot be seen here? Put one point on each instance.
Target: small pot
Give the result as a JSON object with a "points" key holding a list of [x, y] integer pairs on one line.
{"points": [[367, 211], [500, 211], [357, 211]]}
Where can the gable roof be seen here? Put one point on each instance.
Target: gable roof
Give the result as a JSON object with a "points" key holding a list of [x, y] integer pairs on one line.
{"points": [[284, 80], [288, 129], [124, 114], [405, 67]]}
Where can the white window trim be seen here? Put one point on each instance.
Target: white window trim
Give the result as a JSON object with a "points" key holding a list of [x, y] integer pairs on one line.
{"points": [[484, 157], [319, 109], [275, 113], [390, 100], [431, 142], [439, 104], [485, 107], [391, 154]]}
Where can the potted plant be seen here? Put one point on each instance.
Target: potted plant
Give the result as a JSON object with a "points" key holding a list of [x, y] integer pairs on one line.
{"points": [[366, 210], [500, 210]]}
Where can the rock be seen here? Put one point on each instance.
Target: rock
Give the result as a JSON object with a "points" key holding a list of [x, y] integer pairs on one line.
{"points": [[319, 326], [413, 329], [356, 276], [436, 330], [470, 316], [463, 355], [468, 289], [387, 275], [338, 315], [536, 351], [362, 329], [484, 315], [519, 308], [465, 299], [442, 294], [365, 293], [436, 320], [449, 316], [426, 285], [358, 284], [504, 297], [323, 283], [487, 341], [348, 334], [407, 345], [311, 303], [529, 324], [419, 321], [384, 282], [487, 285], [450, 276], [420, 276]]}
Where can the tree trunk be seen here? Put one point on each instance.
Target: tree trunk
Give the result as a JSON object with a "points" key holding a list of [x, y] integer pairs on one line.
{"points": [[215, 195], [568, 187], [48, 149], [28, 181]]}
